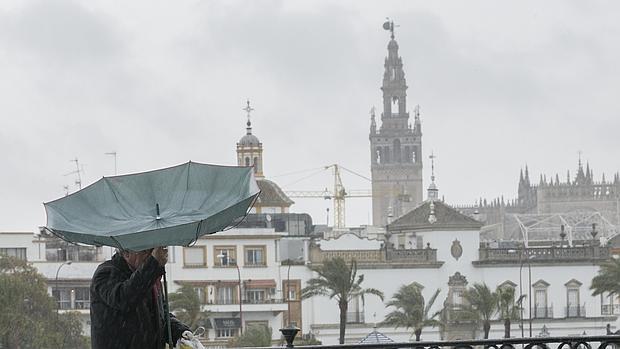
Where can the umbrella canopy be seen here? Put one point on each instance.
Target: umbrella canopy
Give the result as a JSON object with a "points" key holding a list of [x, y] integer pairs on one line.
{"points": [[168, 207]]}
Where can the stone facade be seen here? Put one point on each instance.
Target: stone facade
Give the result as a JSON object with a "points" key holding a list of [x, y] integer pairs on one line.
{"points": [[395, 148]]}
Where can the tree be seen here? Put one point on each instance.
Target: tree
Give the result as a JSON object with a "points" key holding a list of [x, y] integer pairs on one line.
{"points": [[254, 336], [411, 310], [186, 306], [483, 305], [338, 281], [608, 279], [507, 307], [28, 318]]}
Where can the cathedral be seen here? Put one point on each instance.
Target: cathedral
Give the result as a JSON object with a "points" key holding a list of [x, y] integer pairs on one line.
{"points": [[395, 146], [579, 205]]}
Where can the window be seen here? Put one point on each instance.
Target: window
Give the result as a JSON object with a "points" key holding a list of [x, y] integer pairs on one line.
{"points": [[573, 308], [82, 298], [194, 257], [63, 298], [292, 293], [17, 252], [225, 295], [72, 298], [609, 304], [60, 251], [200, 292], [255, 256], [255, 295], [540, 303], [225, 256]]}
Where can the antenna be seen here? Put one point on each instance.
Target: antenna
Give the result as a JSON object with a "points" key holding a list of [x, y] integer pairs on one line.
{"points": [[78, 172], [113, 153]]}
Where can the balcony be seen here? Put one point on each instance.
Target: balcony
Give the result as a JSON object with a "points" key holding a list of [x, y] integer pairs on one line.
{"points": [[575, 311], [355, 317], [544, 254], [248, 305], [421, 255], [542, 312]]}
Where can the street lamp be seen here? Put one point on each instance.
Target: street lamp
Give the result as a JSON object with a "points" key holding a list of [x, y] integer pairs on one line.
{"points": [[56, 284], [229, 260], [529, 294]]}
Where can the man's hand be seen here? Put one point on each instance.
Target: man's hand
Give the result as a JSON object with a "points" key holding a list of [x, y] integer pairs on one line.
{"points": [[161, 254]]}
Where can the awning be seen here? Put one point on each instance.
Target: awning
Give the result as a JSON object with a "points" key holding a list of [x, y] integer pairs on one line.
{"points": [[225, 323], [270, 283]]}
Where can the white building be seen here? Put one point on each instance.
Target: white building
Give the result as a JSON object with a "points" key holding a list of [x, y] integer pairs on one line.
{"points": [[439, 248]]}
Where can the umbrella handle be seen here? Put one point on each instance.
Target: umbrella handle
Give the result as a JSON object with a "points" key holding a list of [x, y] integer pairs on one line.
{"points": [[167, 312]]}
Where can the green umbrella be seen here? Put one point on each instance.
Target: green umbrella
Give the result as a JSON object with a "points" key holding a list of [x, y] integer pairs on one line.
{"points": [[171, 206], [167, 207]]}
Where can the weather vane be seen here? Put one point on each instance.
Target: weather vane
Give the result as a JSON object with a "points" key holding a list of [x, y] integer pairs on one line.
{"points": [[389, 25]]}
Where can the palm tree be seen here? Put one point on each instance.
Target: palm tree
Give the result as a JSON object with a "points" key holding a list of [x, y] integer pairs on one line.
{"points": [[483, 305], [508, 308], [187, 307], [411, 312], [608, 279], [338, 281]]}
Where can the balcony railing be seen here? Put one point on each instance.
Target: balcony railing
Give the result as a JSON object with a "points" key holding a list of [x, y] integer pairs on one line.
{"points": [[355, 317], [413, 255], [585, 342], [246, 301], [575, 311], [610, 309], [544, 254], [542, 312]]}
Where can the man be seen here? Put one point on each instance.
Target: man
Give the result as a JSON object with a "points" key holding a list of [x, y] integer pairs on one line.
{"points": [[126, 308]]}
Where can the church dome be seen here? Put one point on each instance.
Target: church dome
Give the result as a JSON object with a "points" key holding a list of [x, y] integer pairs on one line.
{"points": [[249, 140]]}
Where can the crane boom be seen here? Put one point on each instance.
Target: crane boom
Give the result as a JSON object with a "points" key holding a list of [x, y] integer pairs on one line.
{"points": [[338, 194]]}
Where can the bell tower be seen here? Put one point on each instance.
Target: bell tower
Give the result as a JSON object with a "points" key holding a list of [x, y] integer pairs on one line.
{"points": [[396, 146], [249, 148]]}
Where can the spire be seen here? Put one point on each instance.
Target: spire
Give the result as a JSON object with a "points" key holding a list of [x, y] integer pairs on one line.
{"points": [[527, 176], [418, 124], [557, 179], [248, 110], [603, 179], [433, 192], [373, 122]]}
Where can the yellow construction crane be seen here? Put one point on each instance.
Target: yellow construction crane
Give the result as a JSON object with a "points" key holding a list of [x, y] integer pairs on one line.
{"points": [[338, 194]]}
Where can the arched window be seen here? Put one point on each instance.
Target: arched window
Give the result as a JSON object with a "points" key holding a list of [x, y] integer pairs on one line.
{"points": [[247, 161], [395, 105], [255, 165], [386, 154]]}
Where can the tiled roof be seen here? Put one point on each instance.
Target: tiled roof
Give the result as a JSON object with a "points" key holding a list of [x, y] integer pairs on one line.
{"points": [[446, 218], [272, 195]]}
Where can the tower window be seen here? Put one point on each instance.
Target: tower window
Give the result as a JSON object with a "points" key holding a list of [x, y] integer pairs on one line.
{"points": [[247, 161], [395, 105], [407, 154], [255, 165]]}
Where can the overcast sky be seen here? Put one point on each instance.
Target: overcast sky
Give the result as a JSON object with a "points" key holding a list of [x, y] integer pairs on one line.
{"points": [[500, 84]]}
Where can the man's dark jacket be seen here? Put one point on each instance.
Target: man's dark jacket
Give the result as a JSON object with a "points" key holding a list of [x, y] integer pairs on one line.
{"points": [[126, 307]]}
